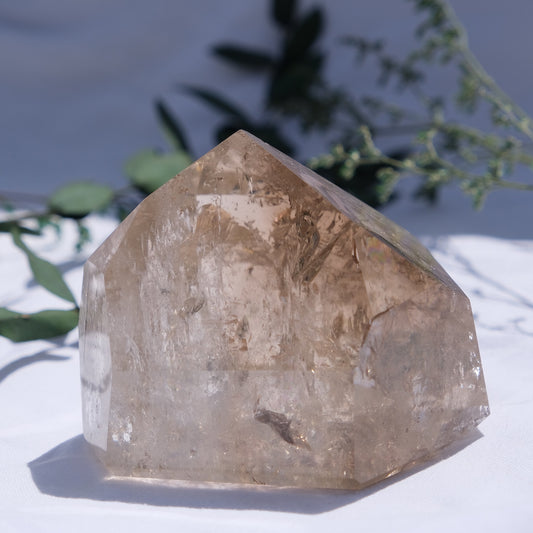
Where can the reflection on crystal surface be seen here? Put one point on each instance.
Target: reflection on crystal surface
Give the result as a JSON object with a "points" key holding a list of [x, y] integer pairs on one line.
{"points": [[255, 324]]}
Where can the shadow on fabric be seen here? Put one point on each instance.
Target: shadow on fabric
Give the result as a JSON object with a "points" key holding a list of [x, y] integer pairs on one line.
{"points": [[70, 470], [43, 355]]}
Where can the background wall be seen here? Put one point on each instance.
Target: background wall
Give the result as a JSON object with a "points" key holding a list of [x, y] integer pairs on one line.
{"points": [[79, 78]]}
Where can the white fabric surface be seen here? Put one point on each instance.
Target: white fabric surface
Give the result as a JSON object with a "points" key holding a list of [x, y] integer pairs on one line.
{"points": [[49, 481]]}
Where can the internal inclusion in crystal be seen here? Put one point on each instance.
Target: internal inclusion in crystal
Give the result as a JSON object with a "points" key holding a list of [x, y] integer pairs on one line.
{"points": [[252, 323]]}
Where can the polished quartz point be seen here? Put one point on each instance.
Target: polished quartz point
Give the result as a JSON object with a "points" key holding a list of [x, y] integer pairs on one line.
{"points": [[252, 323]]}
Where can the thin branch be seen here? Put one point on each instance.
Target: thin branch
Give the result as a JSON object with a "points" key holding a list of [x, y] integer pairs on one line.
{"points": [[518, 117]]}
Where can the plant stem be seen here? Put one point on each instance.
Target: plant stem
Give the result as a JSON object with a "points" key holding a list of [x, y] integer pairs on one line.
{"points": [[492, 91]]}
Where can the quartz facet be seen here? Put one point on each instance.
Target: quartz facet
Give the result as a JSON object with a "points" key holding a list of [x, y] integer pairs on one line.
{"points": [[252, 323]]}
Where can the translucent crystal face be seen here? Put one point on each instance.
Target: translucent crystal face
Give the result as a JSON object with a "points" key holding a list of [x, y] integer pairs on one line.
{"points": [[250, 322]]}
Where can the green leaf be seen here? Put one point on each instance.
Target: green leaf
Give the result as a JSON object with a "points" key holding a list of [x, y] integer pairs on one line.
{"points": [[171, 127], [45, 273], [6, 313], [304, 36], [244, 57], [77, 200], [20, 327], [148, 170], [284, 11], [217, 102]]}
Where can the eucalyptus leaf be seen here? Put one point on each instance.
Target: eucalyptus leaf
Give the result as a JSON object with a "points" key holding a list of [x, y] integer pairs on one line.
{"points": [[6, 313], [244, 57], [20, 327], [45, 273], [77, 200], [148, 170]]}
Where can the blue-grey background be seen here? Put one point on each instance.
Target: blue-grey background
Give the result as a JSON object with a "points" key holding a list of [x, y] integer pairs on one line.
{"points": [[79, 79]]}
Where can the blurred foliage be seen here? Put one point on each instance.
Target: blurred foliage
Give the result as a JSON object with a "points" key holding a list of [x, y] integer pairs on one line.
{"points": [[297, 90], [439, 150], [146, 171]]}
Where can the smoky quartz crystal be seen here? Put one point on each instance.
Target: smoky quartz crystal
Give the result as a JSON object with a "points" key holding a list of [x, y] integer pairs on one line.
{"points": [[250, 322]]}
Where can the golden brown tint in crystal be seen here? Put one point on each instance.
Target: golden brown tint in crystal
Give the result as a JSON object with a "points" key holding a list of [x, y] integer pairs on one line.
{"points": [[250, 322]]}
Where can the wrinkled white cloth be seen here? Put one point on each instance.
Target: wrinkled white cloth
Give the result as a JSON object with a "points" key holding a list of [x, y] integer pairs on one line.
{"points": [[50, 482]]}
